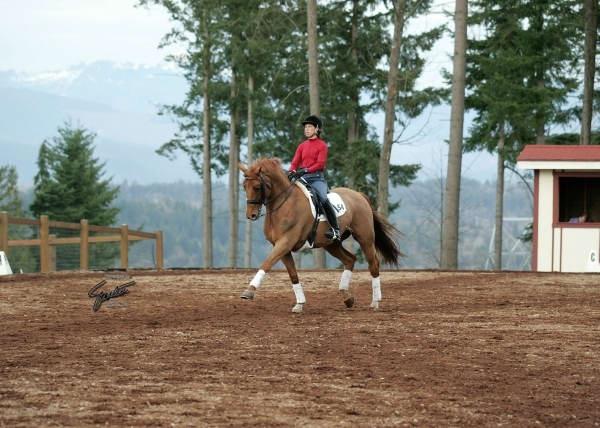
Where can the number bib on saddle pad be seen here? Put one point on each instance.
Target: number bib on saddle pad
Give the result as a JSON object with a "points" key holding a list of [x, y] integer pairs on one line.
{"points": [[336, 202]]}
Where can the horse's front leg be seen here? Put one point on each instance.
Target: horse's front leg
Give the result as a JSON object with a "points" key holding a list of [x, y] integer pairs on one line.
{"points": [[288, 261], [280, 248]]}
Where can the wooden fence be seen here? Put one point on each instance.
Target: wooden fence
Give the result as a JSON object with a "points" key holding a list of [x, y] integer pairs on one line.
{"points": [[46, 242]]}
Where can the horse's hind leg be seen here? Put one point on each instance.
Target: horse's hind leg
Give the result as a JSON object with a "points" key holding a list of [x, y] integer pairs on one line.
{"points": [[288, 261], [348, 259], [371, 256], [368, 249]]}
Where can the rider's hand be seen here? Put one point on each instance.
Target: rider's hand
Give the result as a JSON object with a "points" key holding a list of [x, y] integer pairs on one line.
{"points": [[301, 172], [292, 175]]}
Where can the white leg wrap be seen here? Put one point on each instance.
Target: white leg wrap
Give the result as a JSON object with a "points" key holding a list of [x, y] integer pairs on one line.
{"points": [[376, 284], [257, 278], [299, 293], [345, 280]]}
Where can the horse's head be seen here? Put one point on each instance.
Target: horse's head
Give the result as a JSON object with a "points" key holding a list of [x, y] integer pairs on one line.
{"points": [[255, 187], [261, 179]]}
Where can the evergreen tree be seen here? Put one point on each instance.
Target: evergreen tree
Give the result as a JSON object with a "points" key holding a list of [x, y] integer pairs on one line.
{"points": [[199, 28], [591, 39], [21, 258], [403, 101], [70, 183], [552, 53], [495, 77], [503, 63], [10, 200]]}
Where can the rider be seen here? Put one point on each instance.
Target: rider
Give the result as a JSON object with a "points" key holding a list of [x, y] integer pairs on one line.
{"points": [[309, 162]]}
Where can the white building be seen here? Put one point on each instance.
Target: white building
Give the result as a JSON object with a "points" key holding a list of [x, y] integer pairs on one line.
{"points": [[566, 214]]}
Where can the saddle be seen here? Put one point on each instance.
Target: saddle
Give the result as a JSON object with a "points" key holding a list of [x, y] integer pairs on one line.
{"points": [[318, 213], [315, 206]]}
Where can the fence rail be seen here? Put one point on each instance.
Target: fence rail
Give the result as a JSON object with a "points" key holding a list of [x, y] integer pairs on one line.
{"points": [[47, 242]]}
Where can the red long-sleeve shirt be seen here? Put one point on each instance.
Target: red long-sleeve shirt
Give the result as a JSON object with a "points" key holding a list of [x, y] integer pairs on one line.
{"points": [[310, 154]]}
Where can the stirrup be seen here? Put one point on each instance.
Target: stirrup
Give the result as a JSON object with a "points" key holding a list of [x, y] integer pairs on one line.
{"points": [[333, 234]]}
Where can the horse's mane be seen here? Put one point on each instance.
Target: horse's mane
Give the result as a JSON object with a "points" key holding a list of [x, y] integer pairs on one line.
{"points": [[269, 166]]}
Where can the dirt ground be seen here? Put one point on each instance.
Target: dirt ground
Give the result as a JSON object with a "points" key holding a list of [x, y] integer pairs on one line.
{"points": [[182, 349]]}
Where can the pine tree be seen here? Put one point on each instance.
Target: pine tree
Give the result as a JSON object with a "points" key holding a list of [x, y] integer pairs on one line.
{"points": [[403, 101], [552, 53], [200, 27], [591, 38], [70, 183], [10, 200], [21, 258], [70, 186], [495, 78], [503, 64]]}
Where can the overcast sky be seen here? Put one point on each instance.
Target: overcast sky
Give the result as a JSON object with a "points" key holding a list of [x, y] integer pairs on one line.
{"points": [[43, 35]]}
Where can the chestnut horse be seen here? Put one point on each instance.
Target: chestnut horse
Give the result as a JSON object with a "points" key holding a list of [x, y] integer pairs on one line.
{"points": [[289, 222]]}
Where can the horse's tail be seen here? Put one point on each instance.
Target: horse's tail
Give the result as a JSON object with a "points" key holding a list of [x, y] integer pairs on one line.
{"points": [[385, 239], [386, 236]]}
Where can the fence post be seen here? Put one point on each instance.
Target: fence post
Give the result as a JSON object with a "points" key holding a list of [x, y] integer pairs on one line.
{"points": [[52, 252], [159, 250], [4, 231], [124, 246], [84, 246], [44, 244]]}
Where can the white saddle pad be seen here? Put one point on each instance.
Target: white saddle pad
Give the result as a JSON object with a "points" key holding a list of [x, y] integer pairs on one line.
{"points": [[336, 202]]}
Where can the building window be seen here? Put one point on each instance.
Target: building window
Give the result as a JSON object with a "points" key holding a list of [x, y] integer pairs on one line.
{"points": [[579, 199]]}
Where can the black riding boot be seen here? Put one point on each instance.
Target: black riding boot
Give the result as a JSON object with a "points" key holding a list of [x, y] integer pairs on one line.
{"points": [[334, 232]]}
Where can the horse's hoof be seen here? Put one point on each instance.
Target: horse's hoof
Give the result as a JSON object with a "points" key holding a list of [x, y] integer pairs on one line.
{"points": [[247, 295], [374, 305], [349, 302], [298, 308]]}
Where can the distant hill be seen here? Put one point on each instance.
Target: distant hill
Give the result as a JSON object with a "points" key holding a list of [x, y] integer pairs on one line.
{"points": [[119, 103]]}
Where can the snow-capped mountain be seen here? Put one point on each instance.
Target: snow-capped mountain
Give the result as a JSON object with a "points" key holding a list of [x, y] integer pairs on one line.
{"points": [[117, 102]]}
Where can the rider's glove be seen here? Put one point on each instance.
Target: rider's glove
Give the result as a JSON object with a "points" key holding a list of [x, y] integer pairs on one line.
{"points": [[295, 175], [301, 172]]}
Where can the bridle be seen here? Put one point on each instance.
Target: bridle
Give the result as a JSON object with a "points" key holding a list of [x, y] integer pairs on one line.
{"points": [[263, 199]]}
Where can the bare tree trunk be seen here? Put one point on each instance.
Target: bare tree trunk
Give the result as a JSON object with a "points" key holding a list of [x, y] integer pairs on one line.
{"points": [[206, 153], [441, 218], [499, 201], [248, 237], [537, 24], [540, 128], [390, 117], [449, 254], [233, 174], [352, 135], [313, 83], [313, 59], [591, 29]]}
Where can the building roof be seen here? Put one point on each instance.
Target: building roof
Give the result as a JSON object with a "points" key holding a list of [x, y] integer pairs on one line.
{"points": [[547, 152]]}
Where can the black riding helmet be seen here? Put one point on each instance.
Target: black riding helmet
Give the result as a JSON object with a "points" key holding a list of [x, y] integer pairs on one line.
{"points": [[315, 121]]}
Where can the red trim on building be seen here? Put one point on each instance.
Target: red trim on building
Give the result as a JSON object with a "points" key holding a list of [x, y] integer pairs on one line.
{"points": [[536, 198], [542, 152]]}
